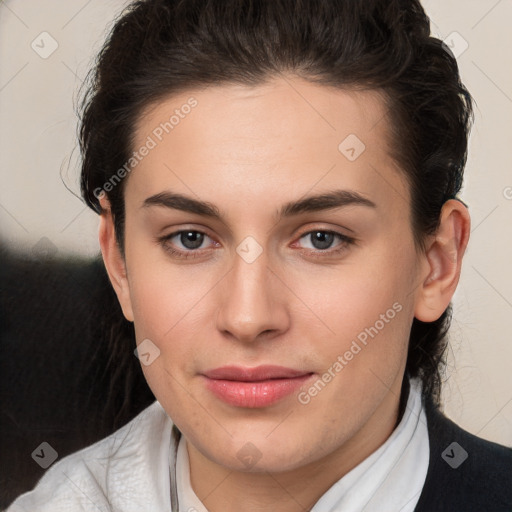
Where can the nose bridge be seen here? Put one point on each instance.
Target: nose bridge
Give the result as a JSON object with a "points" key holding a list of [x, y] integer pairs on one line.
{"points": [[251, 304]]}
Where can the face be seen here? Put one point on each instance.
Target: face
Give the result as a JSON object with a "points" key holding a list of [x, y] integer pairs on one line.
{"points": [[270, 270]]}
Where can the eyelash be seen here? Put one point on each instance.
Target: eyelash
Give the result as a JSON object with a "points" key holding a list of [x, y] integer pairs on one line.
{"points": [[345, 240]]}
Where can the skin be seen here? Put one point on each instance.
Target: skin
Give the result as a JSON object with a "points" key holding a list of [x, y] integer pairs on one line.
{"points": [[248, 151]]}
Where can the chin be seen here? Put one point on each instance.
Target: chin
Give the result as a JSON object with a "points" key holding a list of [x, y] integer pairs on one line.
{"points": [[262, 453]]}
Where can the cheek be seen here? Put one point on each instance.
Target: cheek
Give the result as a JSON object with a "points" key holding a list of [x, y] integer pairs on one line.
{"points": [[173, 307], [364, 349], [164, 296], [170, 311], [363, 315], [349, 298]]}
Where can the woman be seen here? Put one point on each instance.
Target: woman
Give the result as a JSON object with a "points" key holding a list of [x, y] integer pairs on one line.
{"points": [[277, 188]]}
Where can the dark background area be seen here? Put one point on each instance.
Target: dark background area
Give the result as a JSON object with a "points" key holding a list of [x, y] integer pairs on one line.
{"points": [[68, 374]]}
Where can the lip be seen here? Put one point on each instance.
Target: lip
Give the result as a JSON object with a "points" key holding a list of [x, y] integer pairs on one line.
{"points": [[254, 387]]}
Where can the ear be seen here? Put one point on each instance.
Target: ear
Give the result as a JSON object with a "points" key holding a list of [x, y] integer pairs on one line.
{"points": [[443, 262], [113, 259]]}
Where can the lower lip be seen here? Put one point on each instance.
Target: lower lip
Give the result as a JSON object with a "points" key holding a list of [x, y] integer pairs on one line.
{"points": [[254, 394]]}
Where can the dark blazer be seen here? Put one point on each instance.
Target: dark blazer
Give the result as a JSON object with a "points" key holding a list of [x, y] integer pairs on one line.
{"points": [[473, 475]]}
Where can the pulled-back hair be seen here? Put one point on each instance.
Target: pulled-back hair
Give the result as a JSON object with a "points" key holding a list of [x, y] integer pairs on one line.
{"points": [[162, 47]]}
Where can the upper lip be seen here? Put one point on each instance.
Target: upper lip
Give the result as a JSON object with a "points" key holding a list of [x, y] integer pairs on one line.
{"points": [[258, 373]]}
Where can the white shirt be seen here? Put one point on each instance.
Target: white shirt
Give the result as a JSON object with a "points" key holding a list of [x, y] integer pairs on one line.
{"points": [[129, 471]]}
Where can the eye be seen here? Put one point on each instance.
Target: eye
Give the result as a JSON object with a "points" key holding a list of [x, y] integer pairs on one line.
{"points": [[189, 239], [320, 240], [191, 243], [186, 243]]}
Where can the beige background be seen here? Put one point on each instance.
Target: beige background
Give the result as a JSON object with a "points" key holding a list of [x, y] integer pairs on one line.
{"points": [[37, 144]]}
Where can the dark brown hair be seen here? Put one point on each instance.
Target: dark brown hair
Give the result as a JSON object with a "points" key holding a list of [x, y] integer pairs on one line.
{"points": [[161, 47]]}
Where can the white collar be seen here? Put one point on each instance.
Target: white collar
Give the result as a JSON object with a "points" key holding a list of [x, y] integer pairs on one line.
{"points": [[391, 478]]}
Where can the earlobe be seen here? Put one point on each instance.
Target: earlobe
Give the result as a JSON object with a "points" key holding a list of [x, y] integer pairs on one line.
{"points": [[443, 262], [113, 259]]}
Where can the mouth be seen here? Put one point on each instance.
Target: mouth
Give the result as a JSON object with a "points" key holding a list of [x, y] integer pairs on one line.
{"points": [[254, 387]]}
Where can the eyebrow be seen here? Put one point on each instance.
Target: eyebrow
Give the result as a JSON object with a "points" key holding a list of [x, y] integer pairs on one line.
{"points": [[325, 201]]}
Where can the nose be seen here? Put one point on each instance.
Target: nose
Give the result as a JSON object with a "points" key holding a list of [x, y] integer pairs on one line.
{"points": [[252, 304]]}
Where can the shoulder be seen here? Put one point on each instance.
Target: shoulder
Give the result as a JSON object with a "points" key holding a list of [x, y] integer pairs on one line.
{"points": [[118, 472], [465, 473]]}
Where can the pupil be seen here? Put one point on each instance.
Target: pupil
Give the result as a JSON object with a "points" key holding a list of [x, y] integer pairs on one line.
{"points": [[322, 240], [191, 239]]}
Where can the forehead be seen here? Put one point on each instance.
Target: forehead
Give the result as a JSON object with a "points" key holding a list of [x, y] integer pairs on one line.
{"points": [[283, 107], [283, 137]]}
